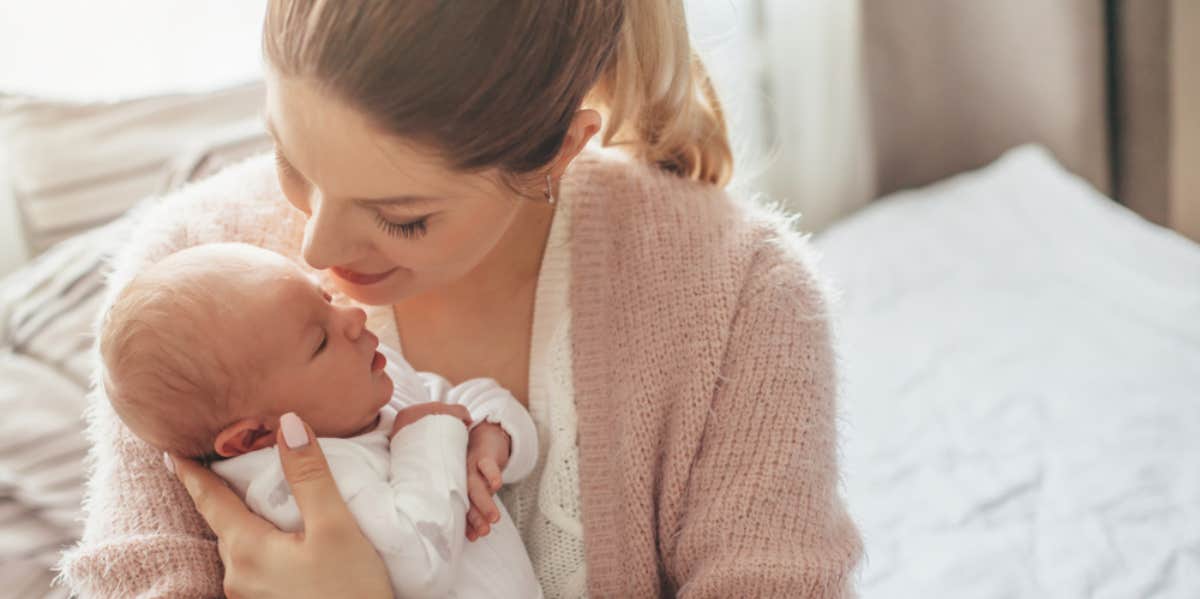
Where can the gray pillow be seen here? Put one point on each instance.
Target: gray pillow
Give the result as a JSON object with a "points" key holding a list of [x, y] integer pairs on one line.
{"points": [[70, 167]]}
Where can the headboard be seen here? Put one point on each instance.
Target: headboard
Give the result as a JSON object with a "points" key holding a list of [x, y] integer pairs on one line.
{"points": [[1106, 85]]}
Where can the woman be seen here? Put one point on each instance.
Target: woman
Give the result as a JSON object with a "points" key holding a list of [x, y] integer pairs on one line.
{"points": [[670, 341]]}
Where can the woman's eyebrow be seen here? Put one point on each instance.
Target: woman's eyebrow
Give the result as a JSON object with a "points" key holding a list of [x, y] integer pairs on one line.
{"points": [[400, 201]]}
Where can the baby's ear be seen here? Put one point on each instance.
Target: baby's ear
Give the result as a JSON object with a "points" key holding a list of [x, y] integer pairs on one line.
{"points": [[243, 436]]}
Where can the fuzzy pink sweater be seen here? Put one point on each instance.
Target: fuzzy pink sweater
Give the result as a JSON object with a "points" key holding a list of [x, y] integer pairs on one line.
{"points": [[704, 383]]}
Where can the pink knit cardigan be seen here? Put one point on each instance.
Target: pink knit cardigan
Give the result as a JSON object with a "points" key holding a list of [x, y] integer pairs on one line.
{"points": [[704, 385]]}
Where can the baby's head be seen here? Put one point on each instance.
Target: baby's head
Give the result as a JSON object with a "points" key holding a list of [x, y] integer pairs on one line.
{"points": [[207, 348]]}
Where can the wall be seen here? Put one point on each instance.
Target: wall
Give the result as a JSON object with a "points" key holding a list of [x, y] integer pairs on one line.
{"points": [[1185, 118]]}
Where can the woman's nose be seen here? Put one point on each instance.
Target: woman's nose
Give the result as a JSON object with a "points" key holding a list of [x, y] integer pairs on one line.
{"points": [[323, 244]]}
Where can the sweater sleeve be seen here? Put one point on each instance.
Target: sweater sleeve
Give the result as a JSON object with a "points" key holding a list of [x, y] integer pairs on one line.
{"points": [[763, 514], [142, 536]]}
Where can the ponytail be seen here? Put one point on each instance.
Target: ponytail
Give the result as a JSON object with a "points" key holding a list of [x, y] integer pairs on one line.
{"points": [[660, 102]]}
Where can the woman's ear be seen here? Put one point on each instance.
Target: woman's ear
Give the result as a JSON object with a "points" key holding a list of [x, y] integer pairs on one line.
{"points": [[243, 436], [584, 125]]}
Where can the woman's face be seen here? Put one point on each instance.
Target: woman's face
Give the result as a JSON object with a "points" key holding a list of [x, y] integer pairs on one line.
{"points": [[388, 218]]}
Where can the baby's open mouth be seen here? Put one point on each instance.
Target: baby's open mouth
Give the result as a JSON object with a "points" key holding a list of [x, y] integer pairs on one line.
{"points": [[378, 362]]}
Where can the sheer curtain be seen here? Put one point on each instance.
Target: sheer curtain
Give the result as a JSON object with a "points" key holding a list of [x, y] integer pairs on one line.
{"points": [[86, 50], [789, 74]]}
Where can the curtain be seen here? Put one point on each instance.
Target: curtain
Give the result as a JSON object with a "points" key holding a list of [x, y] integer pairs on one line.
{"points": [[789, 73]]}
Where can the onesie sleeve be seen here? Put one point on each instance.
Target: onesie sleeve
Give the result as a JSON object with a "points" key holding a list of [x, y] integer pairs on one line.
{"points": [[417, 519], [484, 398], [487, 401]]}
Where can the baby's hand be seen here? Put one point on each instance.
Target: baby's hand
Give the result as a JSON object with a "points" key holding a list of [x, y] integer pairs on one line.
{"points": [[487, 454], [412, 414]]}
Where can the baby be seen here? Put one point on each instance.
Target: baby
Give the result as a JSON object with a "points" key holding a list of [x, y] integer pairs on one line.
{"points": [[206, 349]]}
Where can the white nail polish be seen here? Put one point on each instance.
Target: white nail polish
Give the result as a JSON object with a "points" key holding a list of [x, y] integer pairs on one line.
{"points": [[293, 430]]}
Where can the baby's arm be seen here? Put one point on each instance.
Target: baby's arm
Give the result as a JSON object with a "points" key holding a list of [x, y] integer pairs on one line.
{"points": [[487, 401], [417, 519]]}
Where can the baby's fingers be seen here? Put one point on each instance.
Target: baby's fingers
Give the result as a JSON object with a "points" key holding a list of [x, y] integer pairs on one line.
{"points": [[481, 497], [477, 525], [491, 472]]}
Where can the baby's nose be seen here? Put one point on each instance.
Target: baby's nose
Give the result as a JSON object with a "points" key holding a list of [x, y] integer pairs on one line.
{"points": [[356, 323]]}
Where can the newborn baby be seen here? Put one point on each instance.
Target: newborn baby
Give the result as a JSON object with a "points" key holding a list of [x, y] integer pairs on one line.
{"points": [[206, 349]]}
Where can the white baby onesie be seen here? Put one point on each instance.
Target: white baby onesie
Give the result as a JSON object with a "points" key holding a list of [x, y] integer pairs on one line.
{"points": [[410, 497]]}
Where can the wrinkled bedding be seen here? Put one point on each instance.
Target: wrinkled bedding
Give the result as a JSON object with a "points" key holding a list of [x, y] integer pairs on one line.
{"points": [[1021, 397]]}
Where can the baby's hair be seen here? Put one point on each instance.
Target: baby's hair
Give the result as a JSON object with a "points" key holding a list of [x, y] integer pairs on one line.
{"points": [[161, 374]]}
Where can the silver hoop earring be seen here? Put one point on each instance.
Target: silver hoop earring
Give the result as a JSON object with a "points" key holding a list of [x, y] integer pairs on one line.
{"points": [[549, 190]]}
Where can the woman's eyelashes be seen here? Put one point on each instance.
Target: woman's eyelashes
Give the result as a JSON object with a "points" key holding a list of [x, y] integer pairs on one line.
{"points": [[284, 166], [409, 230]]}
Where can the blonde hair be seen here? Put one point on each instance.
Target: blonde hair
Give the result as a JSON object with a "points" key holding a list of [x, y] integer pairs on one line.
{"points": [[162, 374], [496, 83], [660, 100]]}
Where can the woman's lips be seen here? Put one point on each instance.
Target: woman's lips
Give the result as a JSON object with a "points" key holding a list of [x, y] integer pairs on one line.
{"points": [[359, 278]]}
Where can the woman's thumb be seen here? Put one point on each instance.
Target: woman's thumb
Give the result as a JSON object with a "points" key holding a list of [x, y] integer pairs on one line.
{"points": [[308, 474]]}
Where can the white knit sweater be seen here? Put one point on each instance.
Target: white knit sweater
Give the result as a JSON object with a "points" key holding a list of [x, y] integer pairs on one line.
{"points": [[544, 505]]}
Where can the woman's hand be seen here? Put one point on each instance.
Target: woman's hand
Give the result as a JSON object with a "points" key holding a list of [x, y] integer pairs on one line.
{"points": [[488, 448], [329, 558]]}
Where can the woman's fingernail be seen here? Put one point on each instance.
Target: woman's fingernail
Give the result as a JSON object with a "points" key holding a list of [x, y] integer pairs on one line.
{"points": [[170, 464], [293, 430]]}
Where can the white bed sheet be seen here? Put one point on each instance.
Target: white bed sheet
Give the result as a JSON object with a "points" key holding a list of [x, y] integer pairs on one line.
{"points": [[1021, 390]]}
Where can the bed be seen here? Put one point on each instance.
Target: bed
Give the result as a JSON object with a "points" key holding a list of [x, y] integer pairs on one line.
{"points": [[1019, 327], [1021, 397]]}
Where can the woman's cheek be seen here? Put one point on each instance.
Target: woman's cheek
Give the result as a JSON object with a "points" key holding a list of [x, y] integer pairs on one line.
{"points": [[467, 245]]}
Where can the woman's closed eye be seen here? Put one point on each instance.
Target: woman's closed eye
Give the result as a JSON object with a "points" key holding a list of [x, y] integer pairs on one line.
{"points": [[285, 166], [408, 230]]}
